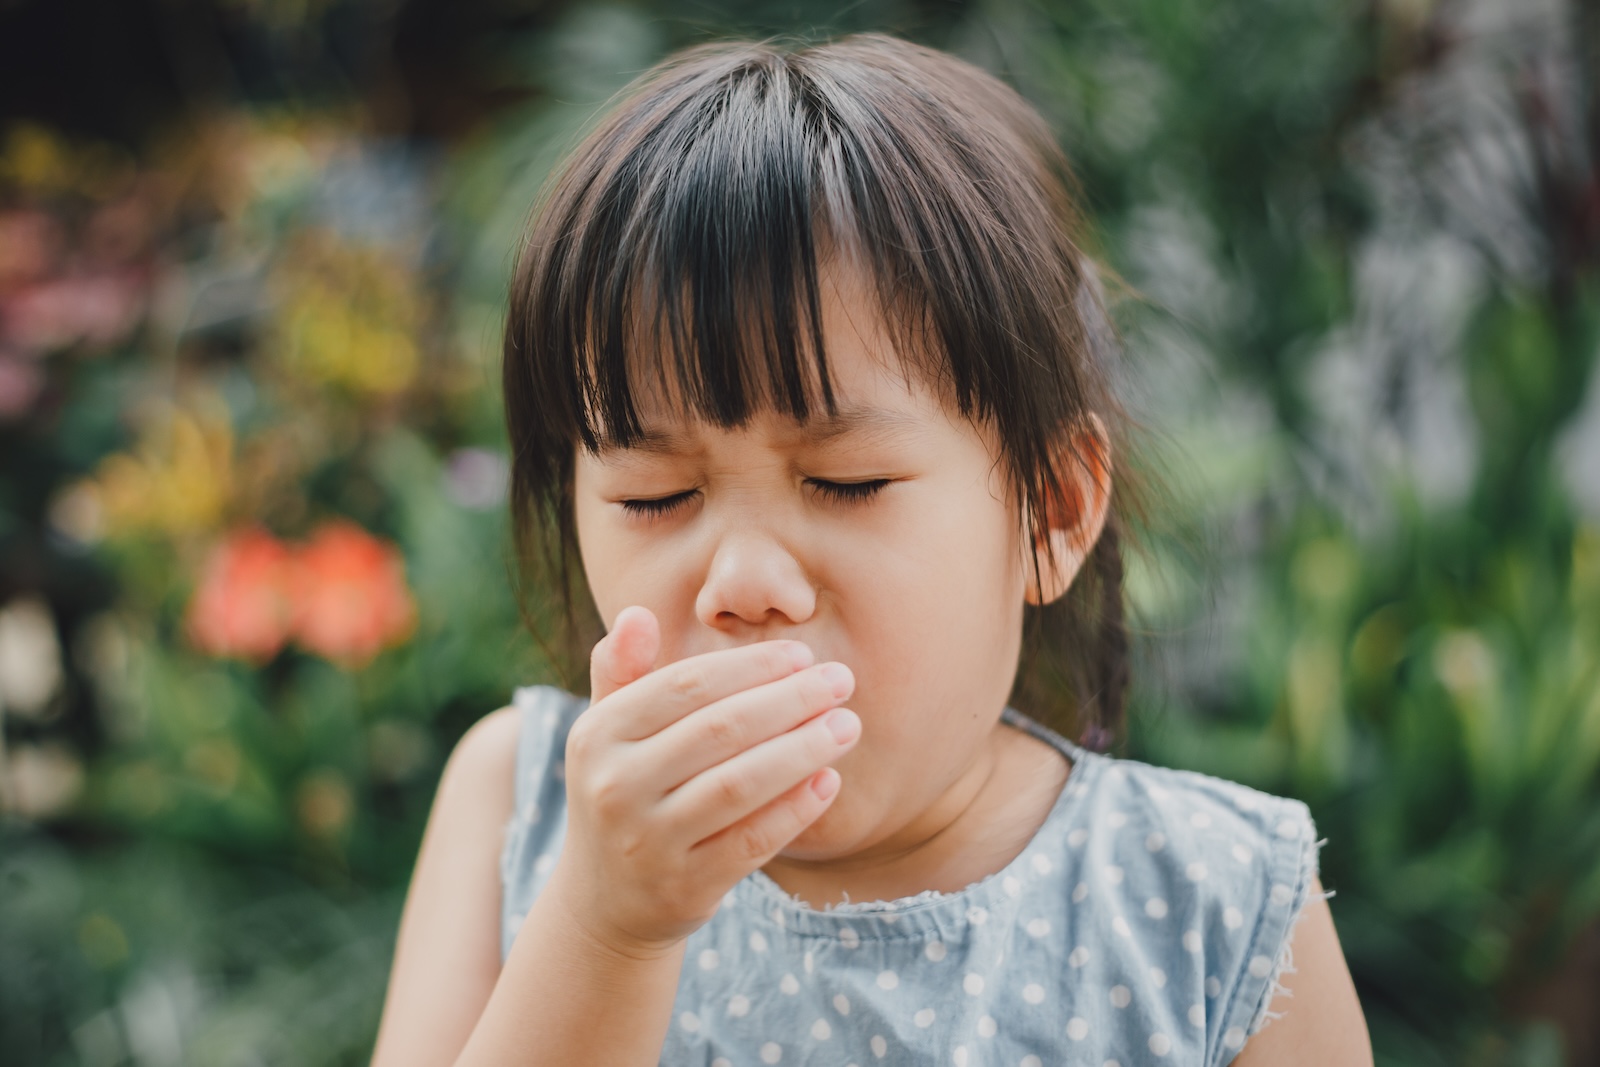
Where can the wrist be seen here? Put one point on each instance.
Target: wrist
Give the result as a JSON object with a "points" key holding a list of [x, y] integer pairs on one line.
{"points": [[594, 936]]}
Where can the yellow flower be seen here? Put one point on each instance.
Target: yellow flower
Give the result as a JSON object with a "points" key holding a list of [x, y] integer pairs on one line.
{"points": [[348, 318], [177, 479]]}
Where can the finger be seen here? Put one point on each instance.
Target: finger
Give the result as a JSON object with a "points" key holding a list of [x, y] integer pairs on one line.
{"points": [[688, 685], [625, 654], [718, 798], [723, 729], [734, 852]]}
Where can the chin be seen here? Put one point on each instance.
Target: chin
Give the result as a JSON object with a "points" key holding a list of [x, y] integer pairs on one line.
{"points": [[830, 837]]}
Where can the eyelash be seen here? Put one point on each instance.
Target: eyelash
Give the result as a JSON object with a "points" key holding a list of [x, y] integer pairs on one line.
{"points": [[836, 492]]}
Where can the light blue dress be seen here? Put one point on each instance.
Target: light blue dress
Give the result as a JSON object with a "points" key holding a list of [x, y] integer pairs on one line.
{"points": [[1146, 922]]}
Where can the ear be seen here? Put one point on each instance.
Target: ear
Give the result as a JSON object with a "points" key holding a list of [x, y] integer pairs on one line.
{"points": [[1059, 542]]}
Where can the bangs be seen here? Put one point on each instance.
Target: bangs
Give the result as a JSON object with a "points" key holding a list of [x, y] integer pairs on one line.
{"points": [[681, 250]]}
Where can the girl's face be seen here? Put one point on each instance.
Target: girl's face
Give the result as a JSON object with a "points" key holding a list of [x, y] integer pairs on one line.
{"points": [[884, 538]]}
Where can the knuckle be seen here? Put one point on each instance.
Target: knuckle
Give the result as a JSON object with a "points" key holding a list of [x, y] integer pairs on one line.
{"points": [[734, 789], [752, 842], [689, 682], [579, 743], [630, 845], [725, 733], [607, 792]]}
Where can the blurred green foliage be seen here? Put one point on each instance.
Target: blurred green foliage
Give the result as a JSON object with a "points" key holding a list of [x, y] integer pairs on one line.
{"points": [[1360, 256]]}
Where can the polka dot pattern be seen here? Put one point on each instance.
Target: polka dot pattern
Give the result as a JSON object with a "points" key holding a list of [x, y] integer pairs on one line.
{"points": [[1168, 895]]}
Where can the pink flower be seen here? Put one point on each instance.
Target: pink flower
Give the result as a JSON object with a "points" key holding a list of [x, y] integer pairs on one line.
{"points": [[350, 595], [29, 246], [97, 308], [241, 608]]}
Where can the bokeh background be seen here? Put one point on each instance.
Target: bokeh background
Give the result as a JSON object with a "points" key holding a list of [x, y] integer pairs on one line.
{"points": [[253, 556]]}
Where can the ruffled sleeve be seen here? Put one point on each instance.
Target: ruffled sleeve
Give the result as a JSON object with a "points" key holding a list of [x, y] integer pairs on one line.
{"points": [[1223, 871], [1271, 843]]}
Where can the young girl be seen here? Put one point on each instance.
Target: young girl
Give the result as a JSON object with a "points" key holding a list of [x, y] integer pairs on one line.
{"points": [[805, 369]]}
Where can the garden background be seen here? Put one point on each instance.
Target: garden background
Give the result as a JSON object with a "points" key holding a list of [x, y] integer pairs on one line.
{"points": [[253, 554]]}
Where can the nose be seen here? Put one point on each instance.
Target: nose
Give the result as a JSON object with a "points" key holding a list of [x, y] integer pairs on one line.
{"points": [[754, 580]]}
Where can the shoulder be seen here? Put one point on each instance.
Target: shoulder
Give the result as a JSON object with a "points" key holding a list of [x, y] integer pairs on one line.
{"points": [[488, 748], [477, 783], [1218, 868]]}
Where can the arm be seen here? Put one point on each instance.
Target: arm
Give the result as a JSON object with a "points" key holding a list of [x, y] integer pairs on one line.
{"points": [[562, 998], [1323, 1025], [447, 955]]}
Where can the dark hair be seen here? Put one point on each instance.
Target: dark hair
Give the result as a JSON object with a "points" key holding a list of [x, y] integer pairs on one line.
{"points": [[692, 224]]}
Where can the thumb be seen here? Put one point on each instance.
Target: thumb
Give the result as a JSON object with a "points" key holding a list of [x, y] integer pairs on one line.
{"points": [[625, 654]]}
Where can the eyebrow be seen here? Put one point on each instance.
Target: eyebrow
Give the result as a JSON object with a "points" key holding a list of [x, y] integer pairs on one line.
{"points": [[863, 424]]}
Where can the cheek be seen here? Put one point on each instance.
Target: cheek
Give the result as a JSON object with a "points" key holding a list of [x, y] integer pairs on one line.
{"points": [[940, 606]]}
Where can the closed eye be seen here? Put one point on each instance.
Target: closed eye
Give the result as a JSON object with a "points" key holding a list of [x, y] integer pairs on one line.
{"points": [[848, 492], [657, 507], [834, 492]]}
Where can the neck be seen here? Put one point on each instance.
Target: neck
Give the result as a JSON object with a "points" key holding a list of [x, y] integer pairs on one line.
{"points": [[975, 827]]}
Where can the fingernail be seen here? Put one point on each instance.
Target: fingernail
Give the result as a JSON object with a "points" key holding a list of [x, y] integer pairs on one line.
{"points": [[842, 724], [825, 783], [839, 678], [800, 654]]}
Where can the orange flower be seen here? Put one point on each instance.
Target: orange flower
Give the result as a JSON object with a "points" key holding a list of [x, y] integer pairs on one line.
{"points": [[350, 595], [241, 607]]}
